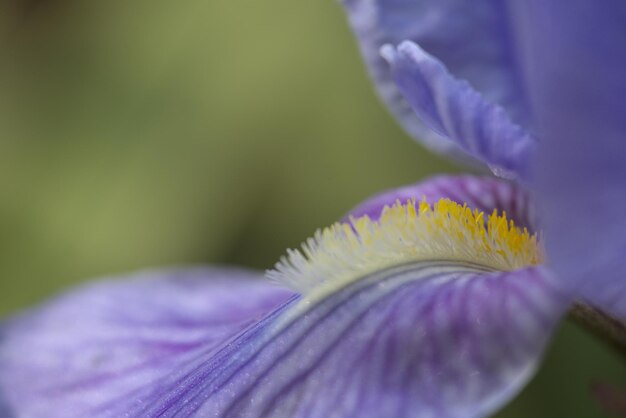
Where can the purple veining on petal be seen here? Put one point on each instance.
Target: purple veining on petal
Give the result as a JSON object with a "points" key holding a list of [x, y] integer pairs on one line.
{"points": [[296, 366], [306, 333], [303, 375]]}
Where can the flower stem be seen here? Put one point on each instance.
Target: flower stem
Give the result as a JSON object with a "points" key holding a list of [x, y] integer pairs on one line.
{"points": [[599, 323]]}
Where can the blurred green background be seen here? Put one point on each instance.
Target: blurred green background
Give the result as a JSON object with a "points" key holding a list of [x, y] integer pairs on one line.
{"points": [[148, 133]]}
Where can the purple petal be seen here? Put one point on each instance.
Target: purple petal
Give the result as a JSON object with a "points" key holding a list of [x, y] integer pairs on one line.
{"points": [[456, 111], [482, 193], [80, 354], [429, 339], [576, 60], [471, 38], [432, 339]]}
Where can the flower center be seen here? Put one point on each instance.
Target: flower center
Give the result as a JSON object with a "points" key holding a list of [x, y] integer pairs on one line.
{"points": [[409, 232]]}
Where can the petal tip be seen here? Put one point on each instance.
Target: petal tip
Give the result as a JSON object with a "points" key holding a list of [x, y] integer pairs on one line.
{"points": [[388, 53]]}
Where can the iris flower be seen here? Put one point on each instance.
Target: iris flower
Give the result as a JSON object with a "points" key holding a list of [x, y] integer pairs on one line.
{"points": [[431, 300]]}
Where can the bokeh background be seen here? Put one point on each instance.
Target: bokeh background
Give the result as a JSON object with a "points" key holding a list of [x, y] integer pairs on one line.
{"points": [[155, 133]]}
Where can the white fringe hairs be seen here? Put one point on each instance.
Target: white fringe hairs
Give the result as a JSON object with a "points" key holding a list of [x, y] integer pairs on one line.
{"points": [[344, 252]]}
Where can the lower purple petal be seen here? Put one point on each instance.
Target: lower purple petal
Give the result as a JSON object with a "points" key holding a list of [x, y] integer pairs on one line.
{"points": [[89, 350], [428, 339]]}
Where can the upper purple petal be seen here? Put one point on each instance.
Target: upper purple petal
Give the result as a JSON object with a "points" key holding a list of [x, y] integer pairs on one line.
{"points": [[456, 111], [473, 39], [575, 58], [428, 339]]}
